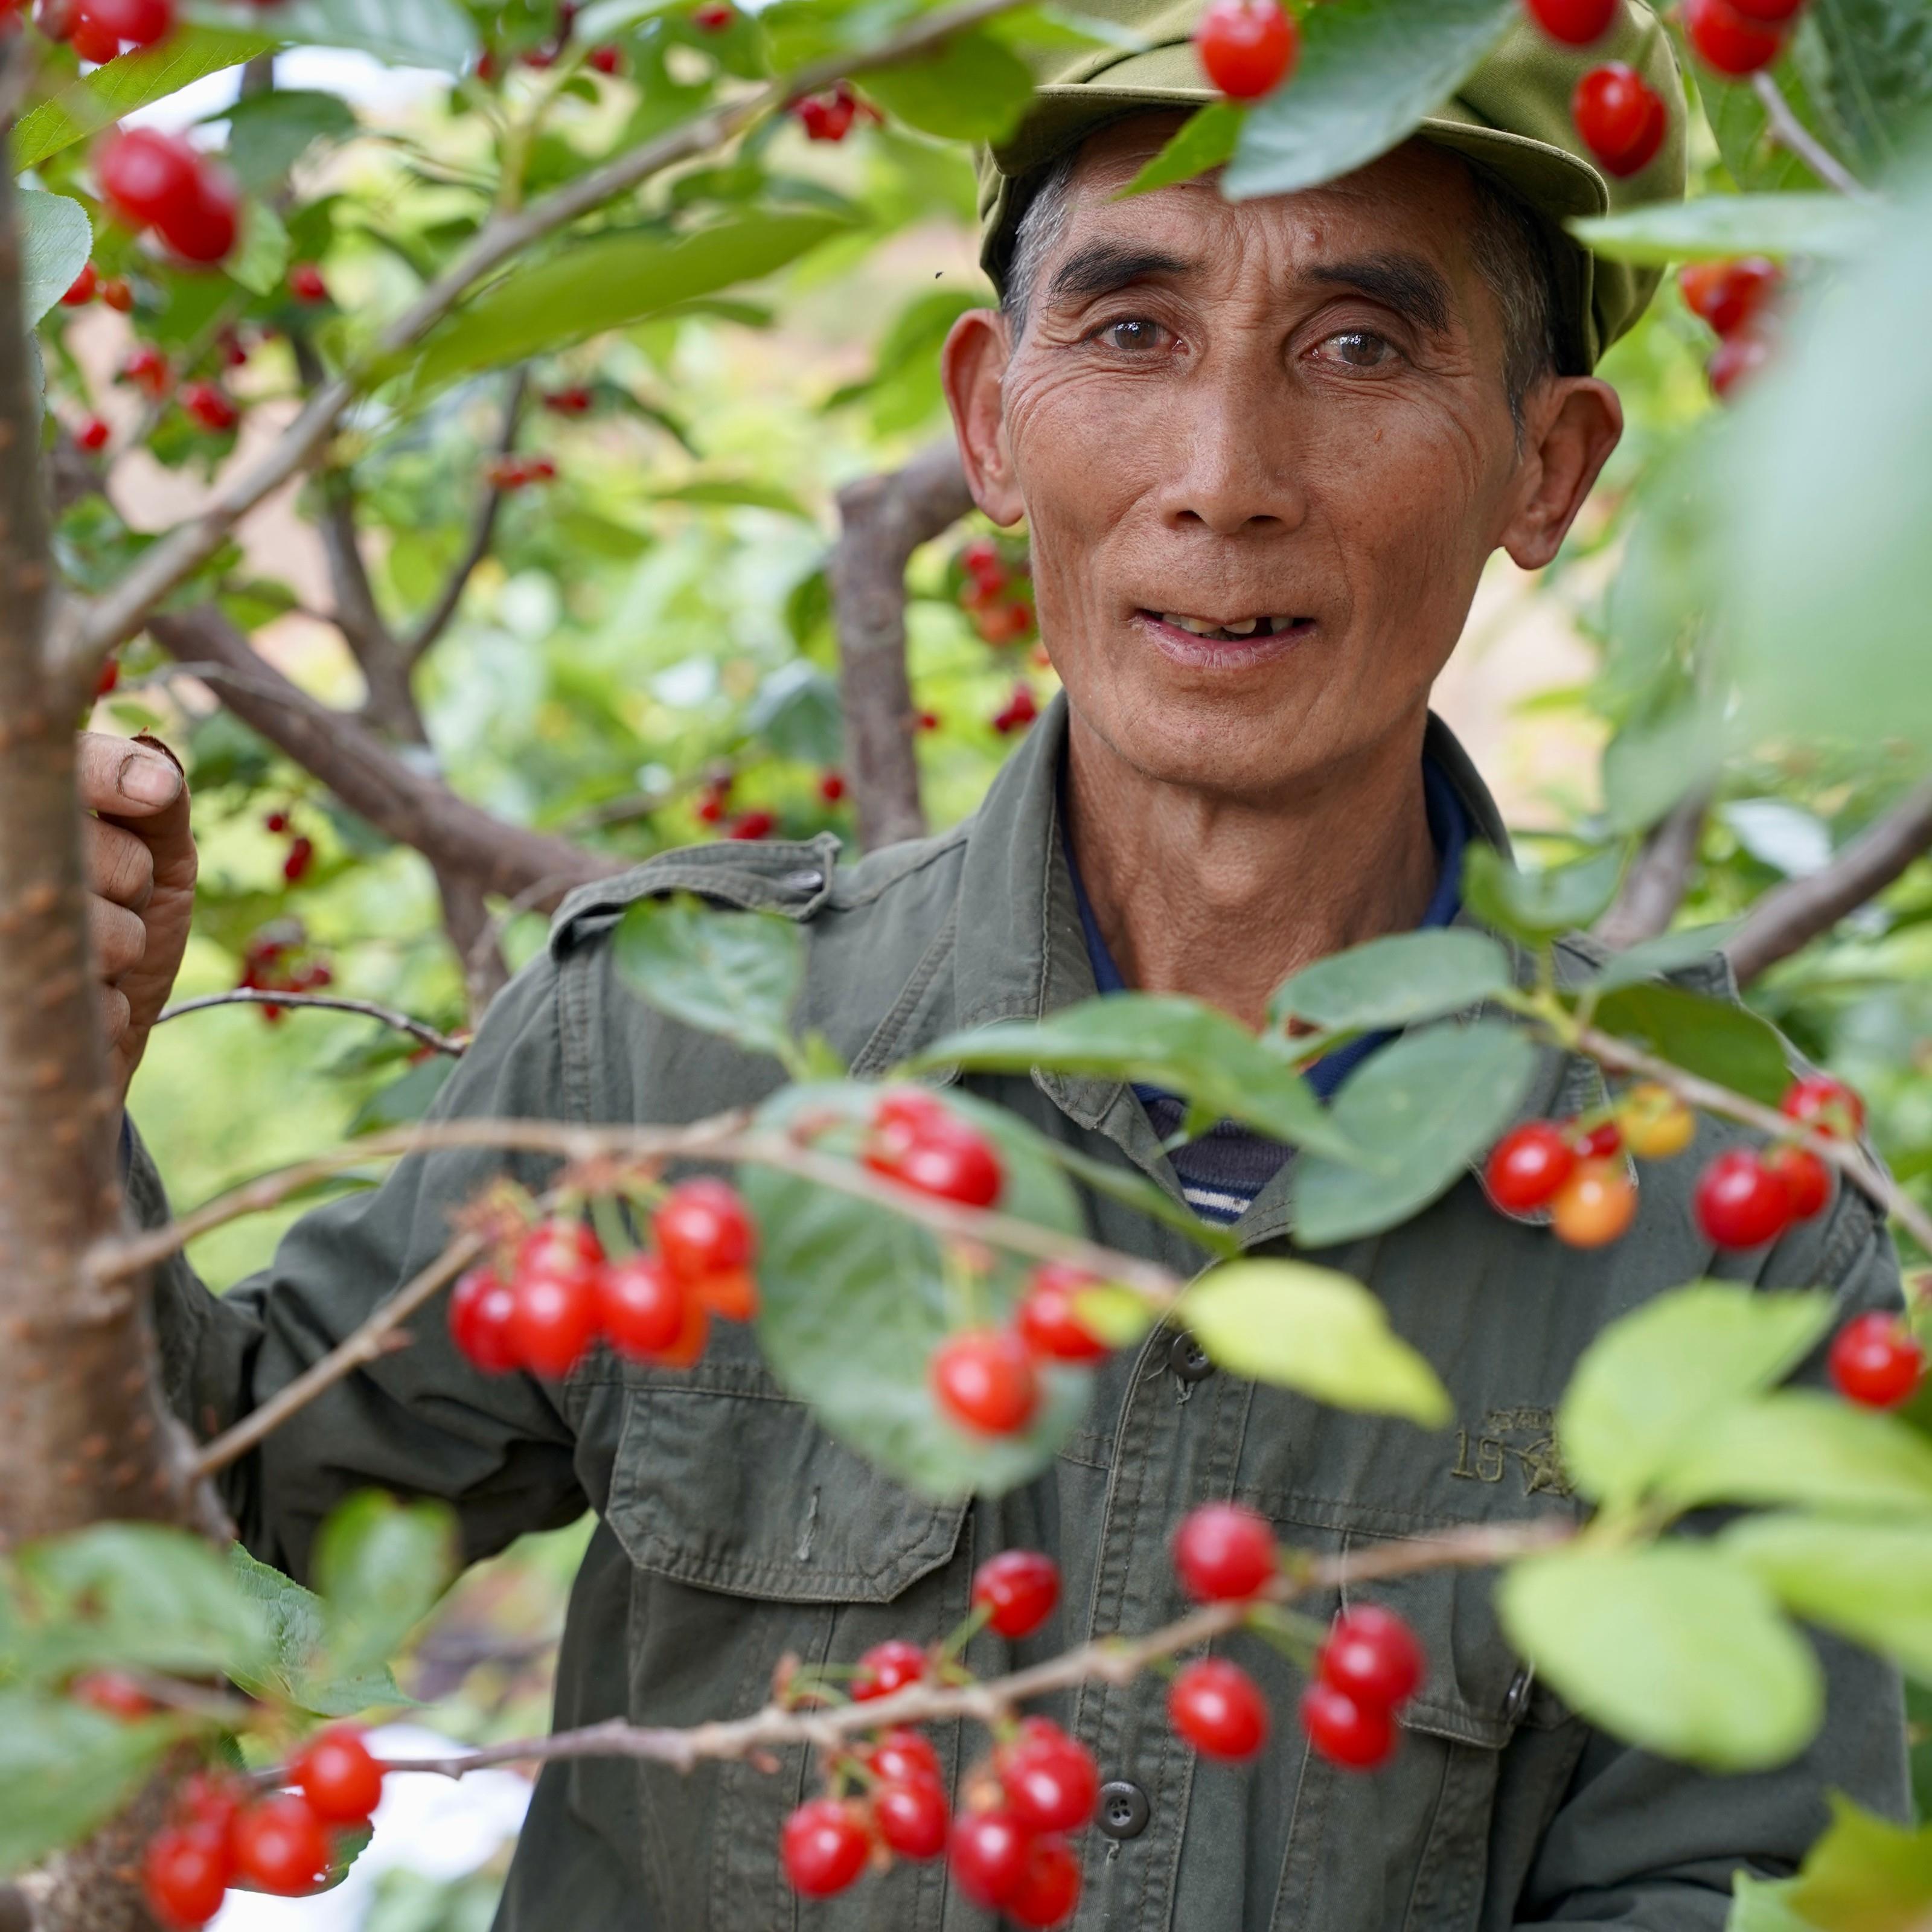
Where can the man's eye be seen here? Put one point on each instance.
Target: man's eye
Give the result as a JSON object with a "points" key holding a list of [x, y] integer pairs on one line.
{"points": [[1131, 333], [1359, 349]]}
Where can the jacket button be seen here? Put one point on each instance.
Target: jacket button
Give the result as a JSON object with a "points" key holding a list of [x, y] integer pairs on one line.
{"points": [[1516, 1700], [1188, 1359], [1123, 1809]]}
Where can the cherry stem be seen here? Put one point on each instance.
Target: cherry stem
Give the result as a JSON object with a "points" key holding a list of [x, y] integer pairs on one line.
{"points": [[964, 1633]]}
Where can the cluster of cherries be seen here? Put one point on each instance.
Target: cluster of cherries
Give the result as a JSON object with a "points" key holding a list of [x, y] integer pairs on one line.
{"points": [[755, 822], [279, 1841], [831, 116], [300, 859], [150, 179], [1008, 1846], [279, 959], [513, 473], [992, 593], [606, 59], [1736, 298], [545, 1298]]}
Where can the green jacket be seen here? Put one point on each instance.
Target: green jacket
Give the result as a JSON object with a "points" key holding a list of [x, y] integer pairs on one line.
{"points": [[731, 1531]]}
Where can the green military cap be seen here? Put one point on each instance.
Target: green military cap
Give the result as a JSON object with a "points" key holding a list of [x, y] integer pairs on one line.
{"points": [[1511, 117]]}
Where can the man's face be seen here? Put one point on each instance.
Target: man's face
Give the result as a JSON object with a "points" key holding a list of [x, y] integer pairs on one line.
{"points": [[1283, 419]]}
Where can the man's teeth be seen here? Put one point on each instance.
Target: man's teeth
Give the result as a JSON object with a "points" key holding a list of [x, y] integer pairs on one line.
{"points": [[1245, 627]]}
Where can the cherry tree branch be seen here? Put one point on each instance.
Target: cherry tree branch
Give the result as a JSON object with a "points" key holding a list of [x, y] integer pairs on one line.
{"points": [[1110, 1660], [1797, 913], [253, 996], [884, 519], [94, 630], [1655, 886], [1790, 132]]}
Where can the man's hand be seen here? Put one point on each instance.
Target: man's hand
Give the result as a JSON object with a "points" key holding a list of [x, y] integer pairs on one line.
{"points": [[140, 854]]}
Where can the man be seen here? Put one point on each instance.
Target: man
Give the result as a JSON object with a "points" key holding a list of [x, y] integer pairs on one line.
{"points": [[1264, 450]]}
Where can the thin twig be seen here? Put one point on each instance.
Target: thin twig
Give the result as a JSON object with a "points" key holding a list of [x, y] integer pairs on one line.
{"points": [[253, 996], [1110, 1660], [93, 631], [1788, 131]]}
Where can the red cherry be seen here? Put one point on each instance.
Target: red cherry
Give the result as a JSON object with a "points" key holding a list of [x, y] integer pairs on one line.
{"points": [[210, 1802], [342, 1783], [553, 1321], [1528, 1166], [702, 1228], [301, 856], [92, 41], [562, 1245], [185, 1877], [828, 117], [1215, 1707], [1344, 1730], [1048, 1319], [714, 17], [1742, 1201], [1597, 1143], [577, 401], [1223, 1552], [832, 787], [93, 435], [306, 284], [1372, 1656], [1622, 120], [279, 1846], [980, 560], [80, 291], [710, 808], [1050, 1780], [1735, 361], [608, 60], [887, 1667], [209, 406], [143, 21], [1826, 1105], [234, 353], [753, 825], [940, 1155], [147, 368], [113, 1693], [1575, 22], [1724, 39], [987, 1855], [643, 1307], [928, 721], [1806, 1177], [1728, 294], [985, 1380], [824, 1845], [1247, 48], [1048, 1888], [202, 228], [118, 293], [1875, 1360], [480, 1307], [912, 1817], [144, 173], [905, 1756], [1017, 1589]]}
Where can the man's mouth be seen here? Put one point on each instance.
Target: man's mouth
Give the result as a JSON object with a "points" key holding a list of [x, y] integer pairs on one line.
{"points": [[1230, 630]]}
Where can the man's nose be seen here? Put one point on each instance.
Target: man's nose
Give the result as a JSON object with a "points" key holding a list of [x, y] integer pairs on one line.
{"points": [[1236, 466]]}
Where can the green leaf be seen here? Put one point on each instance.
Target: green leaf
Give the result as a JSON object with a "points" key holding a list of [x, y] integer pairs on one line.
{"points": [[135, 80], [1716, 226], [1370, 70], [1132, 1189], [434, 34], [1717, 1038], [262, 258], [1801, 1446], [1118, 1316], [854, 1299], [609, 283], [1653, 1376], [1392, 981], [295, 1670], [1206, 139], [381, 1564], [1314, 1330], [1865, 1874], [726, 972], [1179, 1044], [56, 238], [1673, 1647], [1871, 1581], [1668, 953], [974, 88], [268, 133], [1426, 1106], [408, 1097], [734, 492], [135, 1595], [1539, 907], [1763, 1905], [1875, 76], [795, 711], [65, 1769], [1829, 500]]}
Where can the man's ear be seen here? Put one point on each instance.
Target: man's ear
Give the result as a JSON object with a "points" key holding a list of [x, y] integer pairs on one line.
{"points": [[972, 365], [1570, 425]]}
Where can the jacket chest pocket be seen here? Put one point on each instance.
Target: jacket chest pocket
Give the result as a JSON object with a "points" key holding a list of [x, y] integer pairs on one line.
{"points": [[755, 1538]]}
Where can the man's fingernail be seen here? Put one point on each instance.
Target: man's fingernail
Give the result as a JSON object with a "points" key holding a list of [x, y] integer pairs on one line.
{"points": [[149, 782]]}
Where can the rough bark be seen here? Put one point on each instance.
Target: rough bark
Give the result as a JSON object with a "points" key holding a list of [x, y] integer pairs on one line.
{"points": [[884, 520], [1656, 883]]}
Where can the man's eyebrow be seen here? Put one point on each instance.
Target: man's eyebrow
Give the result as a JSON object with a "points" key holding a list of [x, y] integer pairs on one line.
{"points": [[1101, 267], [1406, 283]]}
